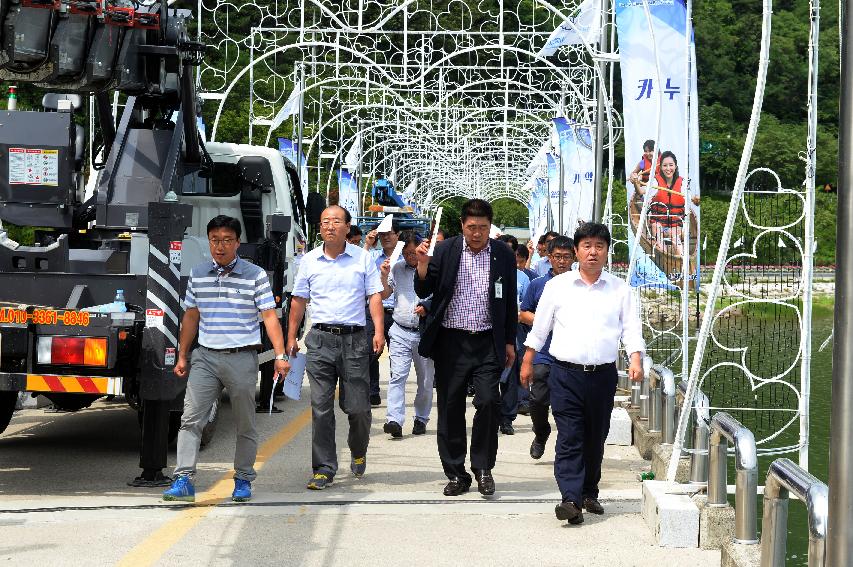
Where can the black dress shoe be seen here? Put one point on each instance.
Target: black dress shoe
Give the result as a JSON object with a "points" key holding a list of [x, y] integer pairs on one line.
{"points": [[485, 482], [262, 409], [568, 511], [394, 429], [524, 409], [375, 400], [419, 428], [456, 486], [507, 429], [537, 449], [593, 506]]}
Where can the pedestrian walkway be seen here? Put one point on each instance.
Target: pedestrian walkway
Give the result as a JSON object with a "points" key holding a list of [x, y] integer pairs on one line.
{"points": [[64, 509]]}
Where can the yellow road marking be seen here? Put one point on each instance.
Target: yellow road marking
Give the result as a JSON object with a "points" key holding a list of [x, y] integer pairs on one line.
{"points": [[158, 543]]}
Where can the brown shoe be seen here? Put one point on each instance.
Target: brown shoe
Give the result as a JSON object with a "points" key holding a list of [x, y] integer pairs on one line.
{"points": [[593, 506], [569, 511]]}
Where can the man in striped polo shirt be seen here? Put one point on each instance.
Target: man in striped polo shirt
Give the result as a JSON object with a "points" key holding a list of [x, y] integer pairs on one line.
{"points": [[222, 302]]}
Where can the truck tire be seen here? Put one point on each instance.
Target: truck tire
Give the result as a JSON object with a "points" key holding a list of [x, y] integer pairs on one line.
{"points": [[7, 408], [71, 402]]}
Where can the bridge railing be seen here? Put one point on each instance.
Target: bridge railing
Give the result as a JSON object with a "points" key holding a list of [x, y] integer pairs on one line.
{"points": [[726, 429], [784, 477]]}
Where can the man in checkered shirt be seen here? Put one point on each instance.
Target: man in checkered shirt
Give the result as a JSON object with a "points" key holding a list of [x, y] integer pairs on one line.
{"points": [[470, 334]]}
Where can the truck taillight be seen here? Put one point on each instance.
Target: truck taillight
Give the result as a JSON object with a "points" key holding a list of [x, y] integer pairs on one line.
{"points": [[72, 351]]}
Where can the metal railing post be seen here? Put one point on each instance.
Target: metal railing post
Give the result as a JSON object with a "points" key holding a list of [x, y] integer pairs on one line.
{"points": [[725, 429], [785, 476], [644, 388], [623, 382], [699, 421], [655, 409], [668, 406]]}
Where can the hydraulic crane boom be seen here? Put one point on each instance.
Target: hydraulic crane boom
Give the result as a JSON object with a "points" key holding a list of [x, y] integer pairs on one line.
{"points": [[93, 48]]}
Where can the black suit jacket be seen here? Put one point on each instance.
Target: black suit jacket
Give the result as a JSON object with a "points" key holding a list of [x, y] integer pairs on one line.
{"points": [[440, 281]]}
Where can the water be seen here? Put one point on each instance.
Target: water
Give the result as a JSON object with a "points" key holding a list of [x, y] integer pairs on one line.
{"points": [[821, 385], [821, 382]]}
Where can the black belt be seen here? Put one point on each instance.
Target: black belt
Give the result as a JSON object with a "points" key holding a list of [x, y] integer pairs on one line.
{"points": [[388, 309], [412, 329], [471, 333], [338, 329], [247, 348], [586, 367]]}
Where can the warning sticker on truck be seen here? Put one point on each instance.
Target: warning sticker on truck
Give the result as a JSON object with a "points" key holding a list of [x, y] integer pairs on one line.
{"points": [[175, 247], [32, 166], [153, 317]]}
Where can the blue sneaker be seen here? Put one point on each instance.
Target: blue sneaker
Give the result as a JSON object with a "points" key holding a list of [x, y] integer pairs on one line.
{"points": [[242, 490], [182, 490]]}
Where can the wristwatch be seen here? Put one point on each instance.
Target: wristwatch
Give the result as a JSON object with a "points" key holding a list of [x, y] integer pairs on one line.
{"points": [[281, 357]]}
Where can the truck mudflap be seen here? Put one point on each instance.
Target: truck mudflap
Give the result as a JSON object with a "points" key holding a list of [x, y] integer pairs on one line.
{"points": [[41, 383]]}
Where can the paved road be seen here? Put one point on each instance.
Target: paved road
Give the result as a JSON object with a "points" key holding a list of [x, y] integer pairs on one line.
{"points": [[64, 501]]}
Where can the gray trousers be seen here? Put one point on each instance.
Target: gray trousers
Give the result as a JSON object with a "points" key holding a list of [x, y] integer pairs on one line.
{"points": [[210, 372], [331, 358]]}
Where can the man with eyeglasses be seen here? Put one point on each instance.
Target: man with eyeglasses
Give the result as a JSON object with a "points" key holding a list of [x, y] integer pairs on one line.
{"points": [[337, 278], [561, 254], [222, 302]]}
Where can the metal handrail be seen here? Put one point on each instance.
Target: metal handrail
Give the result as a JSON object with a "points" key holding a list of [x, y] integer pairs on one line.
{"points": [[785, 476], [701, 434], [725, 429]]}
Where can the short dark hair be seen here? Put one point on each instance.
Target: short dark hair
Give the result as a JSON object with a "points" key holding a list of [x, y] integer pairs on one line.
{"points": [[409, 237], [509, 239], [441, 232], [354, 231], [592, 230], [476, 208], [542, 239], [648, 145], [224, 221], [551, 234], [561, 242], [522, 252]]}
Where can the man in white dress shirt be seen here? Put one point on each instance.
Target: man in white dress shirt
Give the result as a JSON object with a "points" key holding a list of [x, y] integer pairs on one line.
{"points": [[588, 311]]}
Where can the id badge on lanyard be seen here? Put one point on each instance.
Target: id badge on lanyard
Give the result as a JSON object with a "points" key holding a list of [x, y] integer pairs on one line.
{"points": [[499, 288]]}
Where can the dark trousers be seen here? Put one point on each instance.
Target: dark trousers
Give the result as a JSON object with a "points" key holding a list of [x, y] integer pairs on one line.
{"points": [[509, 394], [334, 359], [582, 403], [459, 356], [540, 402], [374, 358]]}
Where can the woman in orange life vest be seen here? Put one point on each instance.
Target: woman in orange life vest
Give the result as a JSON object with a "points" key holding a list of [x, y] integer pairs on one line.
{"points": [[640, 175], [666, 210]]}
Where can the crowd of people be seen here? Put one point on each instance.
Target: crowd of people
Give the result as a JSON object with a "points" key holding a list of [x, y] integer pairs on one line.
{"points": [[519, 330]]}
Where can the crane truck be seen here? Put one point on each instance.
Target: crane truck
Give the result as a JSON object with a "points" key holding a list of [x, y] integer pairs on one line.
{"points": [[140, 230]]}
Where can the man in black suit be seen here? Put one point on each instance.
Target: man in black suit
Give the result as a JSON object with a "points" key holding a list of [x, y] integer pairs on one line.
{"points": [[469, 333]]}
